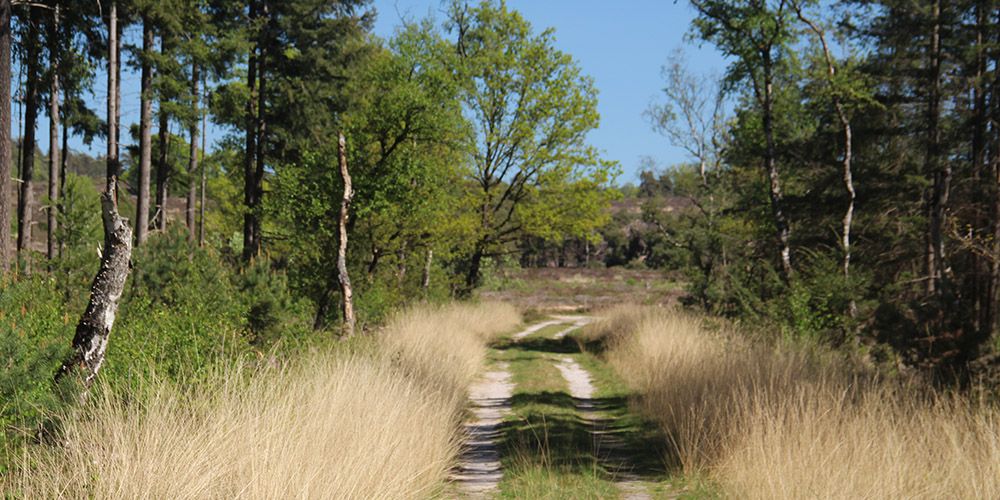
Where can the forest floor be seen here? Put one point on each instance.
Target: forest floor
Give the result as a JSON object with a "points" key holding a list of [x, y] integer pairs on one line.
{"points": [[550, 420]]}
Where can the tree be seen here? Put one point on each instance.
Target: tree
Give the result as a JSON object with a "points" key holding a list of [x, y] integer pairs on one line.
{"points": [[5, 157], [846, 90], [756, 34], [298, 56], [93, 332], [145, 131], [346, 293], [54, 116], [404, 123], [531, 110], [25, 203], [692, 118]]}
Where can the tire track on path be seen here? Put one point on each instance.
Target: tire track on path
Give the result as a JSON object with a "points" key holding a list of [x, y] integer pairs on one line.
{"points": [[608, 448], [479, 470]]}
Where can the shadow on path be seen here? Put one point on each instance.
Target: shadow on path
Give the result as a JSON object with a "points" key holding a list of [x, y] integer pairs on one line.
{"points": [[595, 433]]}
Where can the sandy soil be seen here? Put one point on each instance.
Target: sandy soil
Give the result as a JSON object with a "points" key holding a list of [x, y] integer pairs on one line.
{"points": [[581, 387], [479, 472]]}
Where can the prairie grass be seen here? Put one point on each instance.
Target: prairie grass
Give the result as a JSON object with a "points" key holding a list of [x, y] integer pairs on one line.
{"points": [[795, 421], [333, 424]]}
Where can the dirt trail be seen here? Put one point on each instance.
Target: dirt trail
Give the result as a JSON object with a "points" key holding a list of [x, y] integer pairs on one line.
{"points": [[574, 322], [478, 472], [608, 448]]}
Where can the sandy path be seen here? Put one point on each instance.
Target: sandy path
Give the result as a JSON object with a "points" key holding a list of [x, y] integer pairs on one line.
{"points": [[574, 323], [581, 387], [478, 472], [534, 328]]}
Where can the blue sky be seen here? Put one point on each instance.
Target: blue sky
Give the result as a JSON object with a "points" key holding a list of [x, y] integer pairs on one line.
{"points": [[622, 45]]}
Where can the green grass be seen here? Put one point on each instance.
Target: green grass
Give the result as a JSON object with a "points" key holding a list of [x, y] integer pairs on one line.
{"points": [[547, 446]]}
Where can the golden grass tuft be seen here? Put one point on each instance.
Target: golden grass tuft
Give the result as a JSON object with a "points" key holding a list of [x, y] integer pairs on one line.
{"points": [[330, 425], [793, 421]]}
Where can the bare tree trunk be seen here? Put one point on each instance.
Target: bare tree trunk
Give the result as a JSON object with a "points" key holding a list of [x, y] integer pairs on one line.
{"points": [[980, 283], [192, 194], [145, 136], [53, 221], [777, 205], [249, 191], [258, 177], [993, 291], [346, 294], [204, 183], [94, 329], [472, 277], [112, 98], [26, 202], [5, 156], [401, 263], [938, 171], [163, 172], [425, 280], [62, 176]]}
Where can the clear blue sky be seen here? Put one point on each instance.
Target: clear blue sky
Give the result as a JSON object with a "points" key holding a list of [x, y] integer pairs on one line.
{"points": [[622, 45]]}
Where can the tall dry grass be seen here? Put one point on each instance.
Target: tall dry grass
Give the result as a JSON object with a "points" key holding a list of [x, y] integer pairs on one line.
{"points": [[331, 425], [793, 421]]}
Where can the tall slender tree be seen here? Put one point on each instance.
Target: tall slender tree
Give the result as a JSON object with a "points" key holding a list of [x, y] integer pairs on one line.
{"points": [[5, 156], [145, 132], [113, 164], [756, 35], [55, 51], [192, 171], [26, 201]]}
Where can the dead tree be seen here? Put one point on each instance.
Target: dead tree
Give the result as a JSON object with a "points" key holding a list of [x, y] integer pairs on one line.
{"points": [[346, 294], [94, 329]]}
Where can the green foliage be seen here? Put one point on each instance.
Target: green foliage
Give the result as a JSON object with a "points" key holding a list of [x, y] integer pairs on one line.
{"points": [[530, 109], [35, 331]]}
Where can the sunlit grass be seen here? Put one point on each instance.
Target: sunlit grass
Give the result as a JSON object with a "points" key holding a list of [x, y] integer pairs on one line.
{"points": [[331, 425], [788, 421]]}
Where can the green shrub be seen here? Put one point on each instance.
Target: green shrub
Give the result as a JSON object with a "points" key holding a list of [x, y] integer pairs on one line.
{"points": [[35, 335]]}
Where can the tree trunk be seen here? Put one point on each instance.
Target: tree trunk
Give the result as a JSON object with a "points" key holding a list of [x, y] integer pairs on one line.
{"points": [[346, 294], [94, 329], [5, 156], [163, 168], [53, 221], [26, 202], [192, 194], [981, 179], [204, 183], [145, 136], [472, 274], [425, 280], [780, 220], [62, 176], [940, 177], [113, 169], [258, 177], [401, 263], [249, 191], [848, 175], [993, 287]]}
